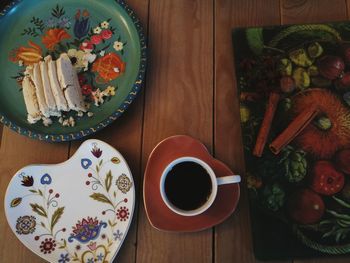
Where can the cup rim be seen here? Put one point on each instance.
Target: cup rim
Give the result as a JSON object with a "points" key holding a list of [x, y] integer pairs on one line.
{"points": [[211, 197]]}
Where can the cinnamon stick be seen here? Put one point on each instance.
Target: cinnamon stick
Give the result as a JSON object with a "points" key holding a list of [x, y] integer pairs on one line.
{"points": [[266, 124], [294, 128]]}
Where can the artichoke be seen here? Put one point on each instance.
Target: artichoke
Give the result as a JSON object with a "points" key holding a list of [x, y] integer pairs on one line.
{"points": [[295, 164], [273, 197]]}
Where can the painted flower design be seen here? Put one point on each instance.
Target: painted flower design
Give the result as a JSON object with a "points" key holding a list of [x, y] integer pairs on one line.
{"points": [[53, 37], [118, 46], [64, 258], [48, 245], [25, 225], [97, 152], [82, 24], [51, 22], [96, 39], [64, 22], [105, 24], [124, 183], [108, 67], [100, 257], [106, 34], [110, 91], [27, 181], [46, 179], [85, 163], [123, 213], [92, 246], [80, 59], [86, 230], [87, 46], [27, 55], [86, 89], [16, 201], [97, 30], [118, 235]]}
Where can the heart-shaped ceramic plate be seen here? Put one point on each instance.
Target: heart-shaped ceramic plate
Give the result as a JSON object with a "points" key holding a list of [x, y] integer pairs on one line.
{"points": [[159, 215], [79, 210]]}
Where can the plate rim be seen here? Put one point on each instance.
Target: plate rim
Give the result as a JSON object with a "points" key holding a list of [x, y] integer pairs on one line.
{"points": [[71, 136]]}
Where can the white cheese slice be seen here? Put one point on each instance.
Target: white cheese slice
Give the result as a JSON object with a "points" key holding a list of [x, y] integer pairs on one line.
{"points": [[36, 78], [57, 92], [49, 97], [30, 100], [68, 78]]}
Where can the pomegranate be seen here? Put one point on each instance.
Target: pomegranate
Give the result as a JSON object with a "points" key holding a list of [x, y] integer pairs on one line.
{"points": [[342, 160], [331, 67], [305, 206], [344, 81], [325, 179]]}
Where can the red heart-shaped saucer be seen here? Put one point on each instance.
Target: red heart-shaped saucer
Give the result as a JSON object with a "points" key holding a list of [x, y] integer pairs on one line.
{"points": [[159, 215]]}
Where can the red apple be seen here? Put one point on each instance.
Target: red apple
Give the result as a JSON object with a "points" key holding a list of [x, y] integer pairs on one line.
{"points": [[305, 207]]}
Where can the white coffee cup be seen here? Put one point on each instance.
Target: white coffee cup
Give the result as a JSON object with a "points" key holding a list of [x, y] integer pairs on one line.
{"points": [[215, 182]]}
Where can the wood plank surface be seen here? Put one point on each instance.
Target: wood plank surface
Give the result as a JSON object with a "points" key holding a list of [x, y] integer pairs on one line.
{"points": [[233, 239], [190, 89], [310, 12], [178, 101]]}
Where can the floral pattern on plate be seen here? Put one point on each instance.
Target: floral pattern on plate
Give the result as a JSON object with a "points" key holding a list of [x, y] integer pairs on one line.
{"points": [[76, 211], [96, 50]]}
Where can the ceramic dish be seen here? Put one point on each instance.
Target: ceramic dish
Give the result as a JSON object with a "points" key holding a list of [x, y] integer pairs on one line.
{"points": [[79, 210], [159, 215], [105, 31]]}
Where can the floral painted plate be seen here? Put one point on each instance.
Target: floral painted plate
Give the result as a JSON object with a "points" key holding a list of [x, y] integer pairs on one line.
{"points": [[104, 41], [79, 210]]}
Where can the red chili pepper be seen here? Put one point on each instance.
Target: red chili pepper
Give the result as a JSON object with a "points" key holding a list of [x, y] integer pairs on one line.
{"points": [[326, 179]]}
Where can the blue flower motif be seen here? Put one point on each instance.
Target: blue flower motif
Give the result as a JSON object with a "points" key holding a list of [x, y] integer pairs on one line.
{"points": [[81, 25], [118, 235], [46, 179], [90, 260], [86, 163], [51, 22], [100, 257], [64, 258], [64, 22], [86, 230]]}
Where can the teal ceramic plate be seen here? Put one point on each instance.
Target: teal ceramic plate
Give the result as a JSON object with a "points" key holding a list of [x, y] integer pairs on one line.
{"points": [[109, 29]]}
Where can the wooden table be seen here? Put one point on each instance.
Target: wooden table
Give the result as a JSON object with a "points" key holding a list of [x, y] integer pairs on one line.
{"points": [[190, 89]]}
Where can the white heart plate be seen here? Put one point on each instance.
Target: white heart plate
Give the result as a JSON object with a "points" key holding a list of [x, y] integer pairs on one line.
{"points": [[76, 211]]}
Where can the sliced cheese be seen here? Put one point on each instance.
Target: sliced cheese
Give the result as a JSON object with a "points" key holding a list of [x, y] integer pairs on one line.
{"points": [[61, 102], [30, 100], [49, 97], [35, 75], [68, 79]]}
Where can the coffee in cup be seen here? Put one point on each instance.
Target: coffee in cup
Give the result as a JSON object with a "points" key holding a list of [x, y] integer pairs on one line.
{"points": [[188, 185]]}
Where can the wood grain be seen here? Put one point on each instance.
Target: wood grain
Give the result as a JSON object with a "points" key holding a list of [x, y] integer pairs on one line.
{"points": [[17, 151], [178, 101], [309, 12], [233, 241]]}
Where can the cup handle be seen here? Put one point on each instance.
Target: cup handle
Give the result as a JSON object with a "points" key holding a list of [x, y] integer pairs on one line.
{"points": [[231, 179]]}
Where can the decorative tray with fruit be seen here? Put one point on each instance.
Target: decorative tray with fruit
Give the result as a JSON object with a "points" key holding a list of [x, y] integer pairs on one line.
{"points": [[294, 84]]}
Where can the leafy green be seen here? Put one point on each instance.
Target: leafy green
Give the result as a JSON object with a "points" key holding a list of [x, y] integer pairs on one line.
{"points": [[255, 39]]}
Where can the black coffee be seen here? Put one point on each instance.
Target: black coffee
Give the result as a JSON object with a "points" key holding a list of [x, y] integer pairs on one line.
{"points": [[188, 185]]}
